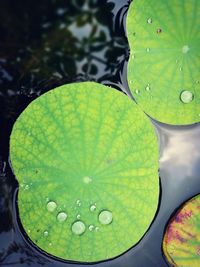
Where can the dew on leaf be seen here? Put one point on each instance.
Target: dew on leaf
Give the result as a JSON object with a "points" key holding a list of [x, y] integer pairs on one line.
{"points": [[26, 187], [78, 203], [62, 216], [149, 20], [105, 217], [172, 60], [186, 97], [51, 206], [148, 87], [91, 228], [159, 31], [93, 207], [78, 228], [46, 233]]}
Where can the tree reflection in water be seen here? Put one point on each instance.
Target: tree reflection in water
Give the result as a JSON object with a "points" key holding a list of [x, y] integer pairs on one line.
{"points": [[45, 44]]}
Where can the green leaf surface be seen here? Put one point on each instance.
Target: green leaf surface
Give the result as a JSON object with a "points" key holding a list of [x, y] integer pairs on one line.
{"points": [[164, 64], [86, 159], [182, 238]]}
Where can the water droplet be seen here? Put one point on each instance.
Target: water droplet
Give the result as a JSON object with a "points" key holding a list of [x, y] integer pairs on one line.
{"points": [[51, 206], [137, 91], [133, 56], [78, 203], [97, 229], [159, 31], [26, 187], [149, 20], [87, 179], [46, 233], [186, 97], [148, 87], [78, 216], [91, 228], [29, 230], [50, 244], [148, 50], [105, 217], [62, 216], [93, 207], [185, 49], [78, 228], [180, 68]]}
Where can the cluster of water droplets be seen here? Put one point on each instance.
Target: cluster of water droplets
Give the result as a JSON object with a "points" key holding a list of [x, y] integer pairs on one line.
{"points": [[78, 227]]}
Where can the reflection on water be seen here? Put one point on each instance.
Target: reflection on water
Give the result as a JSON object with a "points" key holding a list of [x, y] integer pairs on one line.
{"points": [[48, 43]]}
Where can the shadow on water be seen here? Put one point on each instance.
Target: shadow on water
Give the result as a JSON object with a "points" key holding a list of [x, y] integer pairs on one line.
{"points": [[49, 43]]}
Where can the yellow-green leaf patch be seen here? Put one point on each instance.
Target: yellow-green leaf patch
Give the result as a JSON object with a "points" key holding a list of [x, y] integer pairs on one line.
{"points": [[164, 64], [86, 159]]}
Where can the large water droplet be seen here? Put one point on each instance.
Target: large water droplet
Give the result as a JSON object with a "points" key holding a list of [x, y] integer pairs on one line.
{"points": [[51, 206], [105, 217], [62, 216], [186, 97], [46, 233], [93, 207], [149, 20], [78, 228]]}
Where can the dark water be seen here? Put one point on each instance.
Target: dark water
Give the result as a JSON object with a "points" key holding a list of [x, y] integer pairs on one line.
{"points": [[47, 43]]}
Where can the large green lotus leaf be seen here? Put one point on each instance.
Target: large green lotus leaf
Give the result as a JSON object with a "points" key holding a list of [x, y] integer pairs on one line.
{"points": [[182, 239], [164, 64], [86, 159]]}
